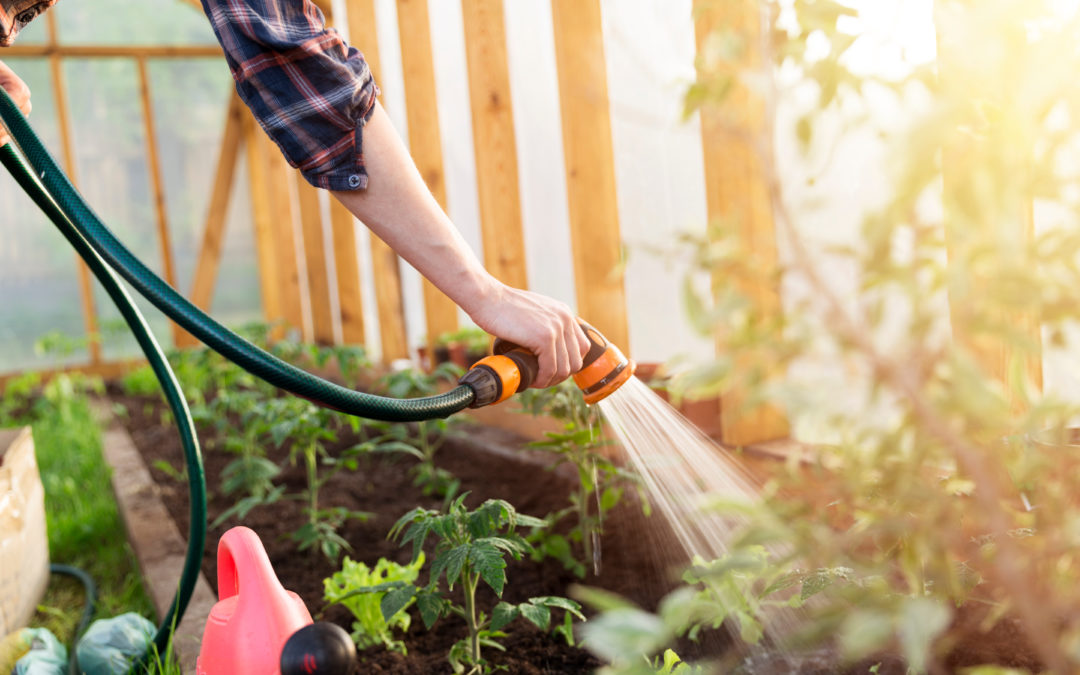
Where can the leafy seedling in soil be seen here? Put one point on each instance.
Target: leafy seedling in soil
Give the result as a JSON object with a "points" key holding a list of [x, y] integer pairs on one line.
{"points": [[361, 589], [470, 547], [430, 434], [239, 418], [309, 428], [600, 481]]}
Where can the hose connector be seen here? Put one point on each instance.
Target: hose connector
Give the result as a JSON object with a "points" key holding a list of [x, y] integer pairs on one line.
{"points": [[512, 368]]}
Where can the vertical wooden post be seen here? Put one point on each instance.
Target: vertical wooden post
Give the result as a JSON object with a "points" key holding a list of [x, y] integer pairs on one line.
{"points": [[315, 254], [278, 175], [967, 230], [86, 290], [346, 260], [347, 264], [425, 143], [213, 237], [157, 189], [590, 167], [736, 192], [262, 218], [384, 262], [494, 142]]}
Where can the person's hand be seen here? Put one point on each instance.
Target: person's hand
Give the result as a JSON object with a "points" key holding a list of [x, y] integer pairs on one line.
{"points": [[544, 326], [17, 90]]}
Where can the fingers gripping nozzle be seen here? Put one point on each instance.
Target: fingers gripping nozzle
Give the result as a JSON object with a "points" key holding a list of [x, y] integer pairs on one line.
{"points": [[512, 368]]}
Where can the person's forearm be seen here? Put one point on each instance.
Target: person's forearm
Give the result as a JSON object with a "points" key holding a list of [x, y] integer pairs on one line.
{"points": [[399, 208]]}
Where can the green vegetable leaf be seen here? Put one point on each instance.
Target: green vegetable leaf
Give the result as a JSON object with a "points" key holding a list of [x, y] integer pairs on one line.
{"points": [[396, 600], [538, 614], [503, 614], [431, 607], [489, 563]]}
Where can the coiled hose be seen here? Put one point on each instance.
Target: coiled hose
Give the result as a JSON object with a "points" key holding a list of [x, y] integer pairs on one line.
{"points": [[107, 258]]}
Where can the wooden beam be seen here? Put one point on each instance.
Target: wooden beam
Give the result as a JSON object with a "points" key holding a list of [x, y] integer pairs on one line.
{"points": [[157, 189], [385, 266], [213, 237], [736, 193], [113, 51], [67, 146], [347, 264], [494, 142], [279, 187], [104, 369], [425, 144], [262, 218], [315, 254], [590, 167]]}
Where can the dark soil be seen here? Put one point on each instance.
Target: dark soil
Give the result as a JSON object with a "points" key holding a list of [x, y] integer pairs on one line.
{"points": [[640, 558], [638, 555]]}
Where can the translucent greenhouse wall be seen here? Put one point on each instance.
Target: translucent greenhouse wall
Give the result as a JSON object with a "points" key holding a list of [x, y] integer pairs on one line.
{"points": [[649, 48]]}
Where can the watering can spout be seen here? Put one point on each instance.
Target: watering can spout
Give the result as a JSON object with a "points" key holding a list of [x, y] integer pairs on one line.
{"points": [[254, 616]]}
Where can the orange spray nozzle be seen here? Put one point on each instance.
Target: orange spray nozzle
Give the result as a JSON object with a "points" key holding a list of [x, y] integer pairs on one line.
{"points": [[512, 368]]}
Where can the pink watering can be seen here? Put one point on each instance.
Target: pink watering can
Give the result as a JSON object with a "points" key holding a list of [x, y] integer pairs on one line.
{"points": [[254, 616]]}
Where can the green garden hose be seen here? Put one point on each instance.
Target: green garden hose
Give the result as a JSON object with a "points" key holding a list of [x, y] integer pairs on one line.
{"points": [[230, 345], [161, 368]]}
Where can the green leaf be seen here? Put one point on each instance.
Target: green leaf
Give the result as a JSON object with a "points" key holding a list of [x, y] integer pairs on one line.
{"points": [[396, 600], [562, 603], [601, 599], [921, 621], [452, 561], [623, 634], [503, 614], [489, 563], [431, 606], [864, 632], [538, 614]]}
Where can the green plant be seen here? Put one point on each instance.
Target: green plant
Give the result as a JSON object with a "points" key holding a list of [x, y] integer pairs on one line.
{"points": [[928, 362], [308, 428], [242, 419], [429, 434], [601, 482], [83, 523], [18, 397], [470, 547], [473, 339], [361, 590]]}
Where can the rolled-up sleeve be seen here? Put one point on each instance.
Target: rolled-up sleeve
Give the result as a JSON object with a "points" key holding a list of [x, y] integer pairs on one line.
{"points": [[309, 90]]}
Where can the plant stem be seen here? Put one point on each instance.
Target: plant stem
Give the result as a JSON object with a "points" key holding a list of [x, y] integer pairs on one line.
{"points": [[583, 519], [469, 586], [310, 458]]}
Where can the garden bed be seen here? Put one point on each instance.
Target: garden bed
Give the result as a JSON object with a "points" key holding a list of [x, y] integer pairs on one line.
{"points": [[638, 555], [640, 559]]}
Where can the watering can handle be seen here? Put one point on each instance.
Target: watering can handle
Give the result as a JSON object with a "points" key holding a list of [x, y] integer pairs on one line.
{"points": [[244, 568]]}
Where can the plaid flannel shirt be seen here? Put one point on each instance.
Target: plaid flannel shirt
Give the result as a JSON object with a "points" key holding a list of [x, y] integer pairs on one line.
{"points": [[310, 92], [15, 14]]}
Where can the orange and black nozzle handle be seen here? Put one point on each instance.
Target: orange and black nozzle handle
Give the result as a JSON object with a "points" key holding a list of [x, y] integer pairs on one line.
{"points": [[511, 369]]}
